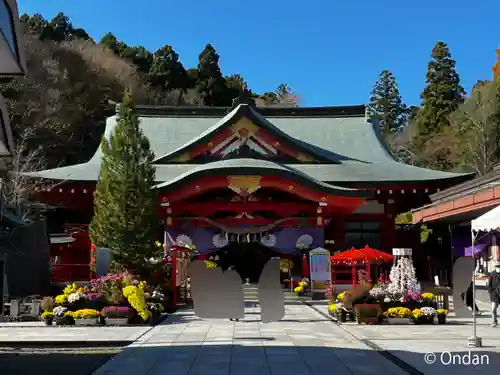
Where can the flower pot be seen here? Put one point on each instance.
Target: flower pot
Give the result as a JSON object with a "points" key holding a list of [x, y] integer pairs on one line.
{"points": [[48, 322], [155, 318], [368, 313], [399, 320], [440, 319], [86, 322], [342, 317], [64, 320], [116, 321]]}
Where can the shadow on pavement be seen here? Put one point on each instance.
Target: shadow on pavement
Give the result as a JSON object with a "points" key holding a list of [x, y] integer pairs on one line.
{"points": [[50, 363], [215, 359]]}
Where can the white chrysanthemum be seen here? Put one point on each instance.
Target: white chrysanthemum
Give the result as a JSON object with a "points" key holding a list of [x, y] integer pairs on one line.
{"points": [[73, 297], [59, 310], [428, 311]]}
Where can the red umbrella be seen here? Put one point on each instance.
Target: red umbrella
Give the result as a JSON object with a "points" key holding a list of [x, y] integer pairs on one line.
{"points": [[367, 255]]}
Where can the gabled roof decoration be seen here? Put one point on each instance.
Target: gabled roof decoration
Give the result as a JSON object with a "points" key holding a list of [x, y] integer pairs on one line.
{"points": [[245, 119]]}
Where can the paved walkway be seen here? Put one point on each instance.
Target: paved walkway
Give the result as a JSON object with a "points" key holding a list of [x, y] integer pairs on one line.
{"points": [[22, 332], [411, 343], [303, 343]]}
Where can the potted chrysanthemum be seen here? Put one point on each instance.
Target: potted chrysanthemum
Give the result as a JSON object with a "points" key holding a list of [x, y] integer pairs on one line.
{"points": [[117, 315], [86, 317], [399, 315], [47, 317], [440, 317], [61, 316]]}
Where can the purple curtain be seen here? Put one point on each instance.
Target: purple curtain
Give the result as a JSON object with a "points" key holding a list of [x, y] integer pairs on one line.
{"points": [[286, 238], [461, 242]]}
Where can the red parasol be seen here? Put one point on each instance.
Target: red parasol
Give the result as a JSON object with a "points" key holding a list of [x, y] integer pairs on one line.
{"points": [[367, 255]]}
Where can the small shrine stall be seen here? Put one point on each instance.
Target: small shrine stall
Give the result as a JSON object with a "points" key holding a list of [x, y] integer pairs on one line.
{"points": [[348, 264]]}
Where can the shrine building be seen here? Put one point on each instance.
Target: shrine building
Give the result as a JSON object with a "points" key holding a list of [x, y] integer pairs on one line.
{"points": [[287, 179]]}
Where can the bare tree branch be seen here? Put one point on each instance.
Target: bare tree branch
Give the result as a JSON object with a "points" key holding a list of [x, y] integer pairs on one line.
{"points": [[477, 123], [16, 189]]}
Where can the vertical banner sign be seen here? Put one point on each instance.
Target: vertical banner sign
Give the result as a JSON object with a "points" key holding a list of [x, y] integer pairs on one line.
{"points": [[320, 270]]}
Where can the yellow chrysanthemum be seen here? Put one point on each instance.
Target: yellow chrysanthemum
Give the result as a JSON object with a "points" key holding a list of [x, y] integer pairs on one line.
{"points": [[428, 296], [332, 307]]}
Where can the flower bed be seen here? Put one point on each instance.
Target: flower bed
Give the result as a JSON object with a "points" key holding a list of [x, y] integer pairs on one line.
{"points": [[116, 299], [397, 305]]}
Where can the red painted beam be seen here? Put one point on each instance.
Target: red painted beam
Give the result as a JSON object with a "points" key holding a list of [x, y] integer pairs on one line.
{"points": [[226, 146], [262, 146], [295, 188], [288, 185], [218, 138], [269, 139]]}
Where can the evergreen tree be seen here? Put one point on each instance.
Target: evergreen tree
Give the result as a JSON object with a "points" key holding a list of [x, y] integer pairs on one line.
{"points": [[386, 105], [110, 41], [139, 56], [167, 71], [442, 95], [125, 205], [210, 84]]}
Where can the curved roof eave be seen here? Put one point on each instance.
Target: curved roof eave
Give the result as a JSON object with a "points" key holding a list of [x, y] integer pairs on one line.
{"points": [[244, 110], [243, 167]]}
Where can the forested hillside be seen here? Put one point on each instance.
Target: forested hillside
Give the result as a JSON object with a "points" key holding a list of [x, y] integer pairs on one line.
{"points": [[59, 109]]}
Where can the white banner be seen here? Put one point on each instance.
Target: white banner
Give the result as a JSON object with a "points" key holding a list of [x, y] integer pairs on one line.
{"points": [[319, 266]]}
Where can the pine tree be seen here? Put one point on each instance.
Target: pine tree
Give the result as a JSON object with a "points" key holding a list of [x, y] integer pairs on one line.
{"points": [[125, 205], [210, 84], [442, 95], [386, 106]]}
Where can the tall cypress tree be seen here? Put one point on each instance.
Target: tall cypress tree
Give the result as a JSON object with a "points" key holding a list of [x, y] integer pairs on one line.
{"points": [[442, 95], [210, 84], [167, 71], [386, 105], [125, 205]]}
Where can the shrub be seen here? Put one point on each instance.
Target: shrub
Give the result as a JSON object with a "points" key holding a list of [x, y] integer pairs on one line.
{"points": [[117, 312], [47, 304]]}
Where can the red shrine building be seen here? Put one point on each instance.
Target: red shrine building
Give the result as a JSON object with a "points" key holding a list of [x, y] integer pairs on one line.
{"points": [[285, 179]]}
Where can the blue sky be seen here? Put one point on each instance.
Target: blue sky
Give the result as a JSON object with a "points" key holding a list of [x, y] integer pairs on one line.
{"points": [[329, 52]]}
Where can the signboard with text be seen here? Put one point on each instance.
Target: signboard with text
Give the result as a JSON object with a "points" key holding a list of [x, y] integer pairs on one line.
{"points": [[320, 270]]}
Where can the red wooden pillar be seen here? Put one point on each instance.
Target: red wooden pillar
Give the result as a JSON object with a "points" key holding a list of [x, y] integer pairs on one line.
{"points": [[92, 261]]}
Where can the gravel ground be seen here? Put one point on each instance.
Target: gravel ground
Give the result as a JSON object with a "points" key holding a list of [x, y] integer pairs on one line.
{"points": [[80, 361]]}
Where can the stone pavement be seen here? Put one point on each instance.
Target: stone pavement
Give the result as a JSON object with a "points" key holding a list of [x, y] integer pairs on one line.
{"points": [[303, 343], [411, 343], [18, 333]]}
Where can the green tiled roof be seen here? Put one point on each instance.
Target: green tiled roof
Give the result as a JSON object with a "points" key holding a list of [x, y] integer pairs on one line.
{"points": [[254, 166], [353, 142]]}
